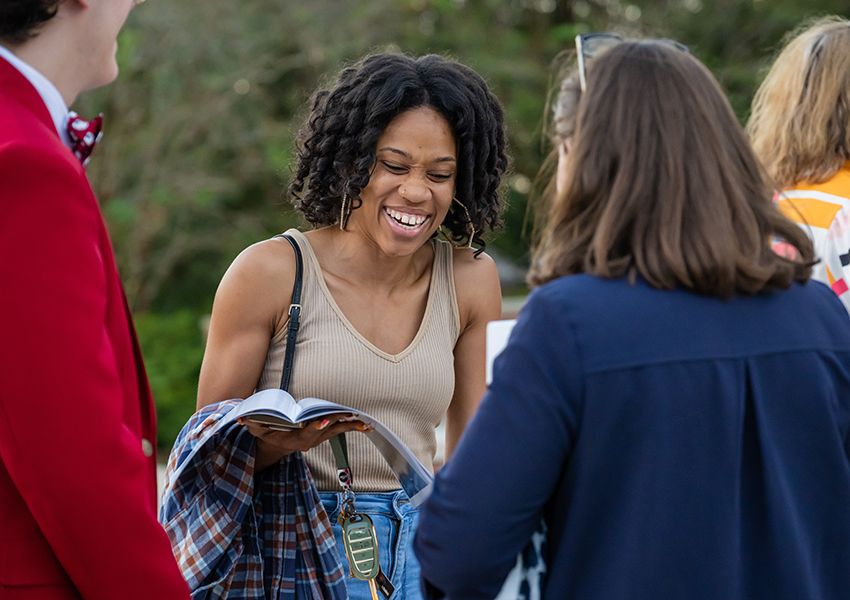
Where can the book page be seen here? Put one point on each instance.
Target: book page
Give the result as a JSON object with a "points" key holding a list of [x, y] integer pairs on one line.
{"points": [[498, 333], [273, 403], [414, 478], [310, 408]]}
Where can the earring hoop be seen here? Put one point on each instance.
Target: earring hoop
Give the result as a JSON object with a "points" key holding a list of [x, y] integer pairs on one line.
{"points": [[469, 225], [344, 212]]}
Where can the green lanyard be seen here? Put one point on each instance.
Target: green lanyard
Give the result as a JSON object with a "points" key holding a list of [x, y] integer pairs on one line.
{"points": [[343, 472], [358, 531]]}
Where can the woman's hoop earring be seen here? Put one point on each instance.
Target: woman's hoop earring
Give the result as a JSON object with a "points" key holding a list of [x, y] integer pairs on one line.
{"points": [[344, 212], [469, 225]]}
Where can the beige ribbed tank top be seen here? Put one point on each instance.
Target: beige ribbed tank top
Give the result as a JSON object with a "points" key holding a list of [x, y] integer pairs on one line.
{"points": [[408, 392]]}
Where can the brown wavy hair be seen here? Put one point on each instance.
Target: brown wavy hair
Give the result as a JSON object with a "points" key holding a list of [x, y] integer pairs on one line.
{"points": [[800, 123], [663, 184]]}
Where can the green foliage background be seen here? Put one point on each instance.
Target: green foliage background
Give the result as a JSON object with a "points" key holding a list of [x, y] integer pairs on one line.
{"points": [[200, 126]]}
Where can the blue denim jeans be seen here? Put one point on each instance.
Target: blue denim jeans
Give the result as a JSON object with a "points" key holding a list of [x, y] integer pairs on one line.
{"points": [[395, 523]]}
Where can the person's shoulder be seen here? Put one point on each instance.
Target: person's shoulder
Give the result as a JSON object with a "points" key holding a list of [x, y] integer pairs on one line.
{"points": [[818, 297], [476, 277], [836, 187], [269, 260], [17, 152], [581, 289], [25, 130], [466, 264], [258, 283], [605, 304], [804, 314], [477, 287], [577, 282], [29, 145], [810, 291], [37, 168]]}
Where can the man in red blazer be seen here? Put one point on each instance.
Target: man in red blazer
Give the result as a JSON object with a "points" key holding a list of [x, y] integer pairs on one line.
{"points": [[77, 470]]}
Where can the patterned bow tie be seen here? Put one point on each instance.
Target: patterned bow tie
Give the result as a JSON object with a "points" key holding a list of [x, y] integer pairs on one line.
{"points": [[84, 135]]}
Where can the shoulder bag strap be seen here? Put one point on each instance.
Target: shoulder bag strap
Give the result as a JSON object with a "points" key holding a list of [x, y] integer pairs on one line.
{"points": [[294, 315]]}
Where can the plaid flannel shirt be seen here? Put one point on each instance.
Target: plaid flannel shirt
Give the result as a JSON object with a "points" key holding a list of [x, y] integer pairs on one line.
{"points": [[240, 536]]}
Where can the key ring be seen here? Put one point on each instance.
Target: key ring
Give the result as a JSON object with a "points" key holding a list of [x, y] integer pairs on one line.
{"points": [[348, 501]]}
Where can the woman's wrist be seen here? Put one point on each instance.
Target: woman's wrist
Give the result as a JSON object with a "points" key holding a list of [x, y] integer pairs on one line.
{"points": [[267, 455]]}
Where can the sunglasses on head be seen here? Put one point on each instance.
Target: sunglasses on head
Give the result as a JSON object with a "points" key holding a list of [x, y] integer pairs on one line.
{"points": [[589, 45]]}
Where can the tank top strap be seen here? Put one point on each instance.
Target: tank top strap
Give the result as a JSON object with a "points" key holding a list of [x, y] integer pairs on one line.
{"points": [[445, 278], [311, 263]]}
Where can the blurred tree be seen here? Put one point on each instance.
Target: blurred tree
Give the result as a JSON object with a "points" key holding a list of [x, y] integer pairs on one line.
{"points": [[736, 39], [174, 347], [190, 168]]}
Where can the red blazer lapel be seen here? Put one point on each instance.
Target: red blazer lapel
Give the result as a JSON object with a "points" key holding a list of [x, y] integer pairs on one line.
{"points": [[18, 90]]}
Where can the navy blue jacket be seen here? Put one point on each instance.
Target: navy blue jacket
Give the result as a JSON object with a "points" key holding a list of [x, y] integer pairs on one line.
{"points": [[678, 446]]}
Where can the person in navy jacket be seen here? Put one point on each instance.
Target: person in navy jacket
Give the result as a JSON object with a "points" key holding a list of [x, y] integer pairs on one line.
{"points": [[674, 401], [77, 464]]}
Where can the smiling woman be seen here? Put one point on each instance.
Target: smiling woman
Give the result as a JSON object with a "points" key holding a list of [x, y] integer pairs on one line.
{"points": [[393, 323], [412, 184]]}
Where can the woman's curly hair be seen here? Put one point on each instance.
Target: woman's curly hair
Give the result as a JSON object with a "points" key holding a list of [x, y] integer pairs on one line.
{"points": [[336, 147], [20, 19]]}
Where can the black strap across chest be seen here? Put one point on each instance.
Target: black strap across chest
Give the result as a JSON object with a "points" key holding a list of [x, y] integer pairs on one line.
{"points": [[294, 316]]}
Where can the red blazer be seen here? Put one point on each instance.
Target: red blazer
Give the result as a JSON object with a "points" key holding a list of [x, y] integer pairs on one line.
{"points": [[77, 472]]}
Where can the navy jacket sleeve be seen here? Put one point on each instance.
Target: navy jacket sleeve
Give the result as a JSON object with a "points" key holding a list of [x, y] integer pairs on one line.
{"points": [[489, 498]]}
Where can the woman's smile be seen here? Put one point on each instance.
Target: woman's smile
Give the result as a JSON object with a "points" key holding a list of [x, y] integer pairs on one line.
{"points": [[406, 223]]}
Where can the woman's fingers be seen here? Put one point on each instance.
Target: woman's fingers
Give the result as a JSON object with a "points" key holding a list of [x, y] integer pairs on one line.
{"points": [[256, 429], [345, 427], [313, 434]]}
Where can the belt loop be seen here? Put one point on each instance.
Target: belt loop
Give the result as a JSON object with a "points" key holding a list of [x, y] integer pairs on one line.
{"points": [[401, 504]]}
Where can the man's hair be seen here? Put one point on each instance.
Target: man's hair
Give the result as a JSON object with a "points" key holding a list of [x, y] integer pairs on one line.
{"points": [[21, 19], [662, 183], [800, 123], [336, 146]]}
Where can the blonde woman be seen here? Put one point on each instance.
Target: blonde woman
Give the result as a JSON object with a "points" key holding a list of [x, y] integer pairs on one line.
{"points": [[800, 128]]}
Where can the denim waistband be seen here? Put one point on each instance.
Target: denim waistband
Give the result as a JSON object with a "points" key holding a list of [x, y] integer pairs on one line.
{"points": [[393, 504]]}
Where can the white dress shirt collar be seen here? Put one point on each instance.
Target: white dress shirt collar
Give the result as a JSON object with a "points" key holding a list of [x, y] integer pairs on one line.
{"points": [[48, 92]]}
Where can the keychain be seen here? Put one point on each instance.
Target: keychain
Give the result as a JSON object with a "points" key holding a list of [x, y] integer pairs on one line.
{"points": [[358, 532], [361, 549]]}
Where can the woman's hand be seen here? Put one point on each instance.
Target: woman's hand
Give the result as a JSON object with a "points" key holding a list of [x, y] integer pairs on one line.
{"points": [[273, 444]]}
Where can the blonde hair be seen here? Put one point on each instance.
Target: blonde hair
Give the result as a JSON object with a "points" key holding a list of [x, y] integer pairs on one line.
{"points": [[800, 123]]}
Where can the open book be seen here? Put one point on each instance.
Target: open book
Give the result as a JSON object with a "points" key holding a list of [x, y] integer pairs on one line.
{"points": [[498, 333], [279, 409]]}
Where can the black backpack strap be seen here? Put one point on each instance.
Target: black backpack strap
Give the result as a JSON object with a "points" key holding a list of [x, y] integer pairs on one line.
{"points": [[294, 315]]}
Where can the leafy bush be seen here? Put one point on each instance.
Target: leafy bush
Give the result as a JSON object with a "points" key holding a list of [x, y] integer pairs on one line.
{"points": [[173, 346]]}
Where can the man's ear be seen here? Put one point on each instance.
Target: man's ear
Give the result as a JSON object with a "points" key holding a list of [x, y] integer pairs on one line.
{"points": [[76, 4]]}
